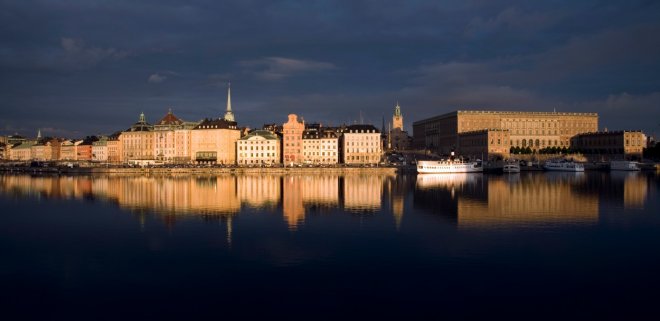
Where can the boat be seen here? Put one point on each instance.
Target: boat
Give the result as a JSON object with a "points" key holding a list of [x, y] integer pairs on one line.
{"points": [[448, 166], [563, 166], [624, 166], [511, 167]]}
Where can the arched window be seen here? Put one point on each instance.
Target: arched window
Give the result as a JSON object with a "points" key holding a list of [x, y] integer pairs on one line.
{"points": [[524, 143]]}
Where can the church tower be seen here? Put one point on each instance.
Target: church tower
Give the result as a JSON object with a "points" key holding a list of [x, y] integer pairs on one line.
{"points": [[229, 115], [397, 118]]}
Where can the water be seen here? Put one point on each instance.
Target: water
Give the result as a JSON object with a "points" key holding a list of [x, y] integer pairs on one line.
{"points": [[533, 246]]}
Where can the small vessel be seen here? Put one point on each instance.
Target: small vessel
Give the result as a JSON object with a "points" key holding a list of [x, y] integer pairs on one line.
{"points": [[624, 166], [563, 166], [511, 167], [448, 166]]}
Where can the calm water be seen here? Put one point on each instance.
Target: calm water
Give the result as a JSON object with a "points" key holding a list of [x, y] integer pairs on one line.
{"points": [[535, 246]]}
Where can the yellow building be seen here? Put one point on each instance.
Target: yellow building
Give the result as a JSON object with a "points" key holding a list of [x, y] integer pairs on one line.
{"points": [[69, 150], [260, 147], [612, 145], [138, 142], [21, 152], [292, 135], [361, 145], [213, 141], [484, 144], [536, 130]]}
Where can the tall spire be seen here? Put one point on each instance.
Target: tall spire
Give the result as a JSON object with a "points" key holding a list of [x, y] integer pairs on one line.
{"points": [[229, 115], [397, 109], [39, 134]]}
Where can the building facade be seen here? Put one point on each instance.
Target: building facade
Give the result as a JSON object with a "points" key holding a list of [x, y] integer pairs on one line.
{"points": [[260, 147], [172, 139], [535, 130], [624, 144], [68, 150], [21, 152], [100, 150], [115, 149], [213, 141], [320, 146], [361, 145], [485, 144], [138, 142], [292, 135], [398, 138]]}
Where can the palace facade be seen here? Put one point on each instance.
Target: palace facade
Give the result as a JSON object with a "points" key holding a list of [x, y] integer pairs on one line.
{"points": [[535, 130]]}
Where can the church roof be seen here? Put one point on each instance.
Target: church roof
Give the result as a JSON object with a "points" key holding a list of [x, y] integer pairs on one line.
{"points": [[170, 119]]}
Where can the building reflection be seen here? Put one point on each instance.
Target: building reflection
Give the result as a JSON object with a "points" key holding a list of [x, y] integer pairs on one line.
{"points": [[470, 200], [362, 193]]}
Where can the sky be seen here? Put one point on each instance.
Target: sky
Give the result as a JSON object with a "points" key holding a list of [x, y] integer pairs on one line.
{"points": [[85, 67]]}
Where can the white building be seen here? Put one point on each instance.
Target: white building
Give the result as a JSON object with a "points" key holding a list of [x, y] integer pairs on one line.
{"points": [[320, 146], [260, 147], [361, 145]]}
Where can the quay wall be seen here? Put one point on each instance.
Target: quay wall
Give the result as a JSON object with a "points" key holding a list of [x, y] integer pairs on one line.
{"points": [[203, 170]]}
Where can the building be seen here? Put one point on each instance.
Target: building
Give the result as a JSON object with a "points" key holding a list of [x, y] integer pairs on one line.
{"points": [[484, 144], [361, 145], [138, 142], [260, 147], [115, 148], [292, 134], [320, 146], [623, 144], [536, 130], [21, 152], [398, 138], [68, 150], [213, 141], [100, 150], [172, 139], [3, 151]]}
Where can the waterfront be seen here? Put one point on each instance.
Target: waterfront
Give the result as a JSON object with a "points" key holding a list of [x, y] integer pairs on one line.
{"points": [[330, 246]]}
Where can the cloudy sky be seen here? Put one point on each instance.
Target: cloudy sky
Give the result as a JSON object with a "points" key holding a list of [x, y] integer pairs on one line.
{"points": [[79, 67]]}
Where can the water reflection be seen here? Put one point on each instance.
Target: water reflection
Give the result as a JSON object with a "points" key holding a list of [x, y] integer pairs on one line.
{"points": [[465, 200]]}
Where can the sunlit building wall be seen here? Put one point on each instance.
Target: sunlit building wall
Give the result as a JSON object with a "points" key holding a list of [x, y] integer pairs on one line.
{"points": [[536, 130], [361, 145], [258, 148], [292, 135]]}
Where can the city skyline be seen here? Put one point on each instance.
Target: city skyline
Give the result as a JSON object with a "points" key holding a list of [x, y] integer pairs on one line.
{"points": [[85, 68]]}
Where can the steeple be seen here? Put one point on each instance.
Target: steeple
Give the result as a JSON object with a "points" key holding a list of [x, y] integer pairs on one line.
{"points": [[38, 134], [229, 115], [397, 118]]}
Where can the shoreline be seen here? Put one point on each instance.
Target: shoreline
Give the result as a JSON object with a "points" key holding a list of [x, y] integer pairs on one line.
{"points": [[204, 170]]}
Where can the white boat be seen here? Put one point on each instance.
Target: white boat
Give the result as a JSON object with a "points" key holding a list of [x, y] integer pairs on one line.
{"points": [[447, 166], [563, 166], [624, 166], [512, 167]]}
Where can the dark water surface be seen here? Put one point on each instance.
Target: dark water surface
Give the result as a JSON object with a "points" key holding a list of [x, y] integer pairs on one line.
{"points": [[533, 246]]}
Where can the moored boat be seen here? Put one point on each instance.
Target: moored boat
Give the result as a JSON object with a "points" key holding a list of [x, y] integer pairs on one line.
{"points": [[447, 166], [624, 166], [563, 166], [511, 167]]}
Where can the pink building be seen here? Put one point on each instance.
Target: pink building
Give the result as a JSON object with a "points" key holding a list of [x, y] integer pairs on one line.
{"points": [[292, 146]]}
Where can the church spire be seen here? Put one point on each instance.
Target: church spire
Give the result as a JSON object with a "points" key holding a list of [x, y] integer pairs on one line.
{"points": [[229, 115], [397, 109], [38, 134]]}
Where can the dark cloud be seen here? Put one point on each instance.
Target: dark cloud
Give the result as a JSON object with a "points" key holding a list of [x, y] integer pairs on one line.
{"points": [[92, 66]]}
